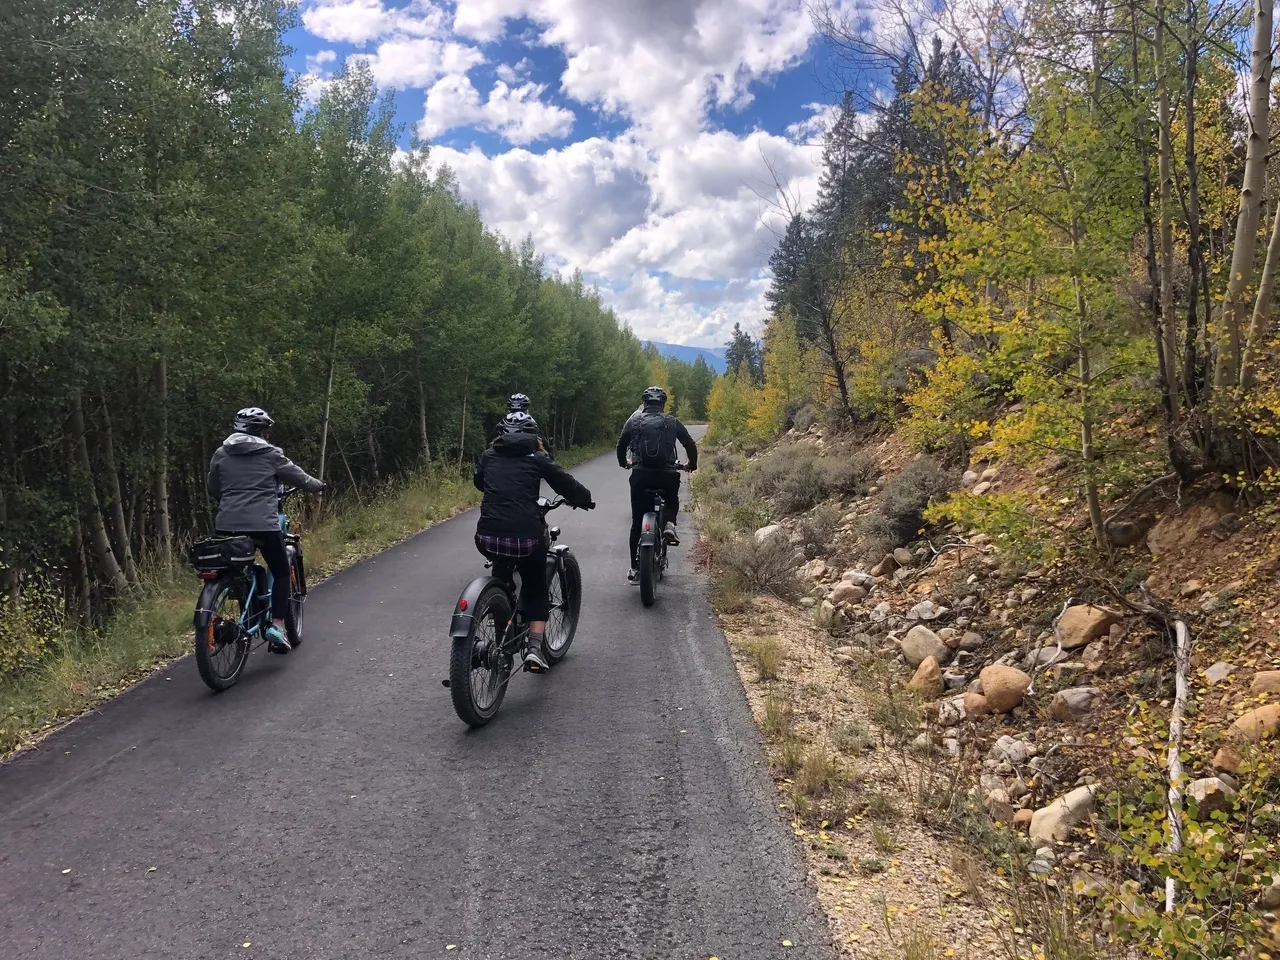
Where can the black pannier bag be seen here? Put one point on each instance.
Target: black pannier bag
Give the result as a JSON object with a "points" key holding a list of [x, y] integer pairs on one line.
{"points": [[220, 553]]}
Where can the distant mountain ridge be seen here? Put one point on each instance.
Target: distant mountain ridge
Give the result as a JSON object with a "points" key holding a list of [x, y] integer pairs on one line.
{"points": [[713, 355]]}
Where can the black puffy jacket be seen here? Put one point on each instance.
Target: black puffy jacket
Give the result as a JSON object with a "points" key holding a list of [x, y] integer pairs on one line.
{"points": [[510, 474]]}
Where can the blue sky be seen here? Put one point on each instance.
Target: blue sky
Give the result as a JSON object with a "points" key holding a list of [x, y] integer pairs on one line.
{"points": [[632, 138]]}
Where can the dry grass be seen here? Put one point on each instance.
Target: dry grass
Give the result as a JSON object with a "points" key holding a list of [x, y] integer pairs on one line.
{"points": [[776, 723], [767, 656]]}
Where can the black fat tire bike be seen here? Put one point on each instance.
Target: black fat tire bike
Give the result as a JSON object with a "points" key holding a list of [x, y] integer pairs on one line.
{"points": [[488, 631], [651, 555], [234, 609]]}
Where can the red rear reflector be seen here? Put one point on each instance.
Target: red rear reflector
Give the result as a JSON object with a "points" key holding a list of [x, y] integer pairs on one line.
{"points": [[208, 576], [462, 604], [648, 527]]}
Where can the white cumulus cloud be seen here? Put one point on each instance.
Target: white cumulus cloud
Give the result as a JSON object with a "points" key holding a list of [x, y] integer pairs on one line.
{"points": [[515, 112]]}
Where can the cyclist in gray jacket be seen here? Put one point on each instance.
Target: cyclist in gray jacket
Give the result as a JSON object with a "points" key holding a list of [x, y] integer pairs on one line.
{"points": [[244, 476]]}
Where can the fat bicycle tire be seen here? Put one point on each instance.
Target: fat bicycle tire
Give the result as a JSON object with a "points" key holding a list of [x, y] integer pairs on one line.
{"points": [[648, 573], [222, 648], [478, 655], [565, 593]]}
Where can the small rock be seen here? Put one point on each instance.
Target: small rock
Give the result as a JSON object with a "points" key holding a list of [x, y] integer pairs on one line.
{"points": [[1249, 728], [969, 478], [924, 610], [1211, 794], [1219, 672], [865, 580], [970, 641], [1269, 899], [1211, 604], [1029, 594], [953, 681], [1022, 819], [808, 602], [927, 681], [999, 808], [981, 488], [1191, 588], [882, 569], [1047, 853], [975, 704], [902, 557], [825, 617], [1125, 533], [1039, 868], [1018, 789], [881, 612], [1074, 703], [1056, 821], [952, 746], [1065, 671], [1043, 657], [1265, 681], [921, 643], [1095, 656], [769, 531], [846, 592], [902, 573], [990, 474], [814, 569], [1010, 750], [1082, 624]]}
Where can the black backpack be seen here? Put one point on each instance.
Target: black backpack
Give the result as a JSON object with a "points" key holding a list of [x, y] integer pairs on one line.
{"points": [[654, 440]]}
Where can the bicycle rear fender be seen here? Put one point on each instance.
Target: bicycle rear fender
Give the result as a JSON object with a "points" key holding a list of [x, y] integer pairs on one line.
{"points": [[649, 531], [464, 610], [296, 544], [204, 605]]}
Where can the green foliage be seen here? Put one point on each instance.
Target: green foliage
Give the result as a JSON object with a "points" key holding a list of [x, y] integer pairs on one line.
{"points": [[908, 495], [766, 566], [1008, 518], [181, 238]]}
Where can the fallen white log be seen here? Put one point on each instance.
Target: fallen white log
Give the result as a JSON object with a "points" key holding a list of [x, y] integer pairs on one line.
{"points": [[1183, 659]]}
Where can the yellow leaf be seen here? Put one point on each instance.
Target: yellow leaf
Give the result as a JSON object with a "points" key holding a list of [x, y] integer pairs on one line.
{"points": [[151, 869], [68, 870], [246, 944], [451, 946], [786, 943]]}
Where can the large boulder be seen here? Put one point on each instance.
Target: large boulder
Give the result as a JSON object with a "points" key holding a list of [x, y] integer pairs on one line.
{"points": [[920, 643], [770, 531], [1083, 623], [1055, 822], [1265, 682], [1073, 703], [928, 682], [1211, 795], [845, 592], [1003, 687], [1248, 730]]}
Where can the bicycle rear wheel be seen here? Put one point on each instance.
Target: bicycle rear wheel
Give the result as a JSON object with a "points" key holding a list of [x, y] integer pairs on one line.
{"points": [[564, 590], [648, 573], [478, 669], [222, 648]]}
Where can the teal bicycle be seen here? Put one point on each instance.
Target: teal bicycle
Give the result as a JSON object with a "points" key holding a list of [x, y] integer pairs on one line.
{"points": [[234, 609]]}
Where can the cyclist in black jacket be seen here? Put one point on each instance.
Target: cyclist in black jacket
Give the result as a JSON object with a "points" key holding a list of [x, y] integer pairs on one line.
{"points": [[519, 403], [511, 527], [649, 439]]}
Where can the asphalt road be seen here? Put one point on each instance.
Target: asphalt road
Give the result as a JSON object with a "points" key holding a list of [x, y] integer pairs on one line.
{"points": [[333, 806]]}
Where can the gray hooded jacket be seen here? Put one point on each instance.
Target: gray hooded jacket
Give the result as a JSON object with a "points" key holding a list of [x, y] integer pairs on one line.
{"points": [[243, 475]]}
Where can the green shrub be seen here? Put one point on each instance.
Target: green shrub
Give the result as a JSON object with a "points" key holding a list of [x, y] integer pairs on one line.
{"points": [[817, 530], [907, 495]]}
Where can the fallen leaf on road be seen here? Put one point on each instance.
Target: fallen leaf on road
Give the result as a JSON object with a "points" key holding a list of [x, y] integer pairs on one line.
{"points": [[451, 946], [151, 869], [246, 944], [68, 870], [786, 943]]}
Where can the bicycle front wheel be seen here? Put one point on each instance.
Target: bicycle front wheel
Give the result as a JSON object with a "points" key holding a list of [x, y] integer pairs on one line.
{"points": [[222, 648], [564, 590], [293, 619], [478, 668]]}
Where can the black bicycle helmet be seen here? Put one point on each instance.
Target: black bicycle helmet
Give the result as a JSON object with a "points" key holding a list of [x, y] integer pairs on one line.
{"points": [[654, 396], [252, 420], [519, 403], [517, 424]]}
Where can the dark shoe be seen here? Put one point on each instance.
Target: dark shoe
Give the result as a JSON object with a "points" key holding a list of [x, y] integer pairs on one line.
{"points": [[669, 534], [277, 642], [633, 577], [534, 660]]}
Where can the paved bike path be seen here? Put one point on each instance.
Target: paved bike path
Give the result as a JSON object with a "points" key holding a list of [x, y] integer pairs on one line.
{"points": [[332, 805]]}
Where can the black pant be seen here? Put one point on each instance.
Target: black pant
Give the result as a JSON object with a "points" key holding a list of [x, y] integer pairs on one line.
{"points": [[271, 543], [534, 603], [642, 481]]}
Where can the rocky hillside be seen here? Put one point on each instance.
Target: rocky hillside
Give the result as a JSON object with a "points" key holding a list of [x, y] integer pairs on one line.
{"points": [[1011, 697]]}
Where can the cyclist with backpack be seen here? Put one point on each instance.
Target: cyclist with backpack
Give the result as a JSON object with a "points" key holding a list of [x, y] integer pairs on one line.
{"points": [[243, 475], [520, 403], [649, 440], [511, 530]]}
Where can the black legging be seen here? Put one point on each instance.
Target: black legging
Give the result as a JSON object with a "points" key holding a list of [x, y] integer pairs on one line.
{"points": [[271, 543], [534, 602], [642, 481]]}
